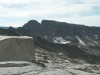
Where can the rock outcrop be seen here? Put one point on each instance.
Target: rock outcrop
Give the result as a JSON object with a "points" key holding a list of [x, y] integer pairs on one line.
{"points": [[17, 49]]}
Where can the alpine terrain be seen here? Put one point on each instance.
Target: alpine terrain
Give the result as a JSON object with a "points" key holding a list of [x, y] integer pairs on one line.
{"points": [[50, 48]]}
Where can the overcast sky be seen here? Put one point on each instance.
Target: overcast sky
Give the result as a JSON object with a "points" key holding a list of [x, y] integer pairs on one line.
{"points": [[17, 12]]}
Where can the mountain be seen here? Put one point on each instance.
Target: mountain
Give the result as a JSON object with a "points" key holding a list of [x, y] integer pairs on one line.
{"points": [[72, 39], [70, 50], [53, 31], [7, 32], [4, 27]]}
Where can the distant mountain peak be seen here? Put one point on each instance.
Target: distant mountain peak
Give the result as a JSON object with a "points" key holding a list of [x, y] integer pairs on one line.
{"points": [[31, 22]]}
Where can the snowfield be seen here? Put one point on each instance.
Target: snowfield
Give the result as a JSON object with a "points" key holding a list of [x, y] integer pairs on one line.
{"points": [[60, 40]]}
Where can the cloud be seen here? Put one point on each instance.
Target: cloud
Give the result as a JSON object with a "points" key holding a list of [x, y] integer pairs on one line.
{"points": [[84, 20], [24, 10], [92, 2], [31, 10], [9, 2]]}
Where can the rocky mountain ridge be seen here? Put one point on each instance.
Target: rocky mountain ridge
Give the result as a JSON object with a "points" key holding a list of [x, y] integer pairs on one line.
{"points": [[62, 37]]}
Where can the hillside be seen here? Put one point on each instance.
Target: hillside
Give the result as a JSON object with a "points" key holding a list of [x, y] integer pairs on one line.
{"points": [[65, 37]]}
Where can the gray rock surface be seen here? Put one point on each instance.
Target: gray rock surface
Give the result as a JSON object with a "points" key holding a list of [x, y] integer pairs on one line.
{"points": [[17, 49]]}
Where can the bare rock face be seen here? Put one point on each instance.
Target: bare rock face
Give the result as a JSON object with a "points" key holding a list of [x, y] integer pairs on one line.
{"points": [[17, 49]]}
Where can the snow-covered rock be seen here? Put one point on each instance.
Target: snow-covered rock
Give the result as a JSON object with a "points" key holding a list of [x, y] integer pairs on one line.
{"points": [[80, 41], [60, 40]]}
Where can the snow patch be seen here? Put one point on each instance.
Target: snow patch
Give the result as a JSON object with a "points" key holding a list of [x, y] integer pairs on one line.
{"points": [[60, 40], [80, 40], [92, 45], [95, 42], [68, 37], [96, 36], [45, 37], [60, 53], [67, 61]]}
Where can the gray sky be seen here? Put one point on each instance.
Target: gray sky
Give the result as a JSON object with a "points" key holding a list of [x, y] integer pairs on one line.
{"points": [[17, 12]]}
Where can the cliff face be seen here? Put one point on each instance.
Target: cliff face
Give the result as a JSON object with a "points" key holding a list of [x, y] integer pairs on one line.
{"points": [[59, 32], [83, 37], [17, 49]]}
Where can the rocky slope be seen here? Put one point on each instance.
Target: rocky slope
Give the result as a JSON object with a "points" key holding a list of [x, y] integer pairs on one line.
{"points": [[64, 33], [71, 51], [56, 64], [76, 41]]}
